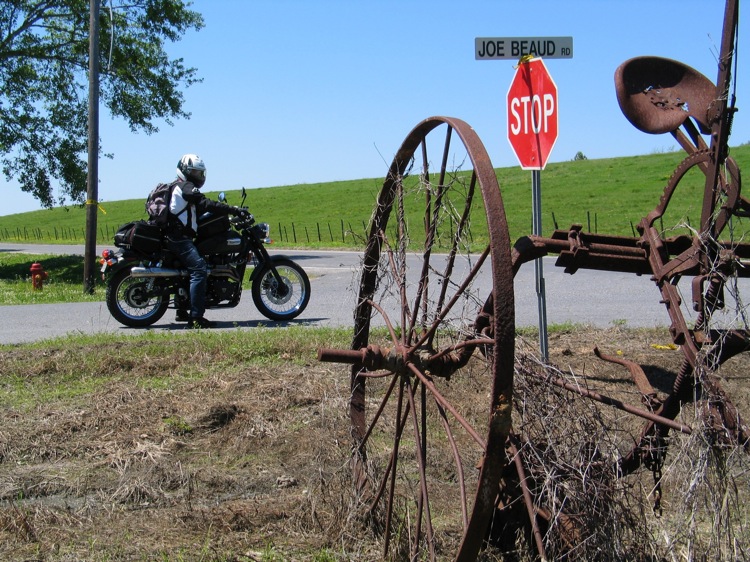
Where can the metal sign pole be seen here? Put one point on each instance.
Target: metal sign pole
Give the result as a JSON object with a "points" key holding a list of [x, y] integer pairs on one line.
{"points": [[536, 203]]}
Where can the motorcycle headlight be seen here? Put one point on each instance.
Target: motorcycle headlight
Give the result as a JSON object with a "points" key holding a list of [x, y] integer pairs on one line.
{"points": [[263, 231]]}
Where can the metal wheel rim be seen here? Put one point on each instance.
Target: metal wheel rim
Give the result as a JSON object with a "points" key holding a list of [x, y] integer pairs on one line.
{"points": [[294, 288], [502, 310], [129, 302]]}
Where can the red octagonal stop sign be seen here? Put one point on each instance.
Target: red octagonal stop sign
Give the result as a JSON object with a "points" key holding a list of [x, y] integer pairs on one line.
{"points": [[532, 114]]}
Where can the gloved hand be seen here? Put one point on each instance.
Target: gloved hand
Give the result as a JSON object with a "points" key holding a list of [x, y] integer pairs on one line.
{"points": [[242, 213]]}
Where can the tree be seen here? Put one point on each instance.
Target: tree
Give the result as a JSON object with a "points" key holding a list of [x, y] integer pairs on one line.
{"points": [[580, 156], [44, 84]]}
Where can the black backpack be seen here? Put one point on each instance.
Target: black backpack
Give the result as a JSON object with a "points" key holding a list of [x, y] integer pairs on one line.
{"points": [[157, 204]]}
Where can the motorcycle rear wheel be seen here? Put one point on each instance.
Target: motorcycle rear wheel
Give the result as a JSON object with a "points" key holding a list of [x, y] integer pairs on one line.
{"points": [[283, 304], [130, 303]]}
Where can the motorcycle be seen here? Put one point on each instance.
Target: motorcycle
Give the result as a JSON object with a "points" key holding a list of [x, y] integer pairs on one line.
{"points": [[143, 277]]}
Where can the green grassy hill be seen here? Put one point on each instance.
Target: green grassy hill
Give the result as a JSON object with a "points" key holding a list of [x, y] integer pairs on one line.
{"points": [[606, 196]]}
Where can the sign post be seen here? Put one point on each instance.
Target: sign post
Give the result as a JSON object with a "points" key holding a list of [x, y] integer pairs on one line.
{"points": [[532, 132]]}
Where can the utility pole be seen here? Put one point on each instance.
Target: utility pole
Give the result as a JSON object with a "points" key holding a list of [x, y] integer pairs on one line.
{"points": [[92, 188]]}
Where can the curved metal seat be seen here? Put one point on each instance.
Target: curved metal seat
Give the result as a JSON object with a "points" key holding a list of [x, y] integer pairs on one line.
{"points": [[657, 94]]}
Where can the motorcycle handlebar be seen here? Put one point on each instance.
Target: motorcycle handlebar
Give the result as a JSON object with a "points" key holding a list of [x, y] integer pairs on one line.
{"points": [[243, 218]]}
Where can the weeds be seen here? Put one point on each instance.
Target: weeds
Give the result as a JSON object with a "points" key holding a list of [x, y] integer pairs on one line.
{"points": [[246, 457]]}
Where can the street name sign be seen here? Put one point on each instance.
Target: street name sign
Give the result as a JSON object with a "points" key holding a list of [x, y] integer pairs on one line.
{"points": [[494, 48]]}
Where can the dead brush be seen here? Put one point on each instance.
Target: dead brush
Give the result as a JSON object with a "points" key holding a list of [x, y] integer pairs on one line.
{"points": [[328, 506], [19, 524], [217, 417], [695, 509], [569, 451], [708, 474]]}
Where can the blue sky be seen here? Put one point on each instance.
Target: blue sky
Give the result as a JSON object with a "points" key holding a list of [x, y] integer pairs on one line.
{"points": [[307, 91]]}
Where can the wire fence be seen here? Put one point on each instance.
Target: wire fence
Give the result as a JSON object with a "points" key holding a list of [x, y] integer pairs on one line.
{"points": [[343, 232], [293, 233], [297, 233]]}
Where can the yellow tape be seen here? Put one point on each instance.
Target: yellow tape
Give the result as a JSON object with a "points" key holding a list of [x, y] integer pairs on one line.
{"points": [[524, 59], [92, 202], [663, 346]]}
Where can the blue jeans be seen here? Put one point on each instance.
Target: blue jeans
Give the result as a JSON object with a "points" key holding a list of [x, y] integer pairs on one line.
{"points": [[191, 259]]}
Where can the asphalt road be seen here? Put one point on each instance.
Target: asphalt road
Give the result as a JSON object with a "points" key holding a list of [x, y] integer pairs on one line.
{"points": [[596, 298]]}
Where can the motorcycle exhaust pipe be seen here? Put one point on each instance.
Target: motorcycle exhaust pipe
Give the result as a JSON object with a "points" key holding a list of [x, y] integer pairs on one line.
{"points": [[150, 272], [158, 272]]}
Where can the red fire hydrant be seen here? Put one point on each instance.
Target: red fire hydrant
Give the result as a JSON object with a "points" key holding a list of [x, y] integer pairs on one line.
{"points": [[38, 276]]}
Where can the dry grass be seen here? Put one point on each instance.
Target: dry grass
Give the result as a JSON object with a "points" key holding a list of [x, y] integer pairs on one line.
{"points": [[244, 456]]}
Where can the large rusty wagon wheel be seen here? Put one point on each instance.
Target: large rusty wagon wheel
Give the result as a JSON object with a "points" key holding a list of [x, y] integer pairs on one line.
{"points": [[427, 472]]}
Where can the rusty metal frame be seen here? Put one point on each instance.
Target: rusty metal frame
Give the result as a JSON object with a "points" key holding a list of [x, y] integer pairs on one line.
{"points": [[658, 96]]}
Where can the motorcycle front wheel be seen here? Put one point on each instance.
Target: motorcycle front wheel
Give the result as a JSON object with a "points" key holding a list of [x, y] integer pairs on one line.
{"points": [[281, 301], [131, 301]]}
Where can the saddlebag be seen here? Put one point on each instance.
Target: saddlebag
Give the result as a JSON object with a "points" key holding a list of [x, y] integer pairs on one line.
{"points": [[139, 236]]}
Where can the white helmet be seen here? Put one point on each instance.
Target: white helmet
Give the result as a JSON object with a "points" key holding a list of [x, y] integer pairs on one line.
{"points": [[191, 168]]}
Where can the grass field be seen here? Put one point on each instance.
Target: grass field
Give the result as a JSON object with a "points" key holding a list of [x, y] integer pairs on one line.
{"points": [[606, 196]]}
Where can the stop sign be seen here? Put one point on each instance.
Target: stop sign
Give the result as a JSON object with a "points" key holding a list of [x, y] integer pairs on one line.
{"points": [[532, 114]]}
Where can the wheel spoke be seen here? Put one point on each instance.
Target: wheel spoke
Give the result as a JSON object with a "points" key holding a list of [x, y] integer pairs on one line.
{"points": [[459, 294], [363, 442], [392, 466], [423, 503], [457, 460], [454, 243], [448, 406]]}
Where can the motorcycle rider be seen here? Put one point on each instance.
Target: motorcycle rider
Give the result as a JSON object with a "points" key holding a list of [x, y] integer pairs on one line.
{"points": [[186, 205]]}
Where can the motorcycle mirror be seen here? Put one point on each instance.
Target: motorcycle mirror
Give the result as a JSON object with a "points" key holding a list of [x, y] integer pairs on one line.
{"points": [[244, 196], [222, 197]]}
